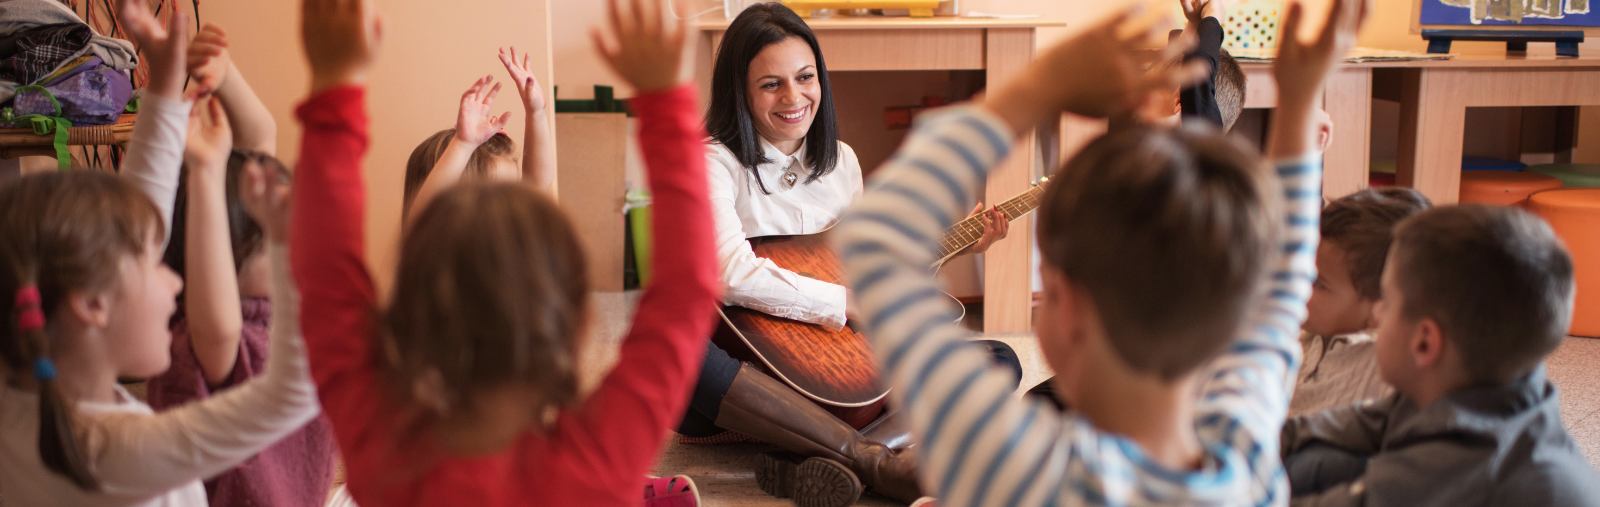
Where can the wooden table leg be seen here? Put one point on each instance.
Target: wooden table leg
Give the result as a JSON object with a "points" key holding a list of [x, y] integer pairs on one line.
{"points": [[1008, 273], [1348, 101], [1433, 121]]}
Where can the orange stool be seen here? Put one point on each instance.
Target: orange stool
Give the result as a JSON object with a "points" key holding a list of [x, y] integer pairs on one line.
{"points": [[1574, 213], [1507, 188]]}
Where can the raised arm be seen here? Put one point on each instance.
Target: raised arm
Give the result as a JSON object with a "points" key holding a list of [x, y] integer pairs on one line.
{"points": [[155, 153], [538, 143], [211, 282], [474, 126], [212, 71], [660, 357], [1200, 100], [341, 39], [979, 444]]}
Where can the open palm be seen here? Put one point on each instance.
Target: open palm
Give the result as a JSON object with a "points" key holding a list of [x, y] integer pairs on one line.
{"points": [[527, 84], [475, 122]]}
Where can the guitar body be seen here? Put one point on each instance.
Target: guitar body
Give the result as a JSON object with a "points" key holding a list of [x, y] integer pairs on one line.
{"points": [[834, 368]]}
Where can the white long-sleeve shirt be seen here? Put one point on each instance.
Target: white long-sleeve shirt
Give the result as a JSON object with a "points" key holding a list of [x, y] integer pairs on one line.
{"points": [[155, 153], [145, 459], [982, 446], [742, 210]]}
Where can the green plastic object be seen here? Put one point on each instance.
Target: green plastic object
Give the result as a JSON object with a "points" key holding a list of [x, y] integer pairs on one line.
{"points": [[1572, 175], [639, 222]]}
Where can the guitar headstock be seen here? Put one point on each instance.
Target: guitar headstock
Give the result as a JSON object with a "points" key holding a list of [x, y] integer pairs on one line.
{"points": [[1041, 182]]}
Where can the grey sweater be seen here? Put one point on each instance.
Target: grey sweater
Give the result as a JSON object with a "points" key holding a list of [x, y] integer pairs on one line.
{"points": [[1482, 446]]}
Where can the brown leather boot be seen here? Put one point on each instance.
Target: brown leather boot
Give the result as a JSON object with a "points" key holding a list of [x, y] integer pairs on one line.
{"points": [[890, 429], [762, 407]]}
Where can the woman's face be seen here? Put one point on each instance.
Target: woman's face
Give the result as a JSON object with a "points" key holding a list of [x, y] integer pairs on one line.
{"points": [[784, 92]]}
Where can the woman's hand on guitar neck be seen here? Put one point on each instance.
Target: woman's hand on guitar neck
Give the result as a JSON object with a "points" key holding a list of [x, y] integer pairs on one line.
{"points": [[995, 227]]}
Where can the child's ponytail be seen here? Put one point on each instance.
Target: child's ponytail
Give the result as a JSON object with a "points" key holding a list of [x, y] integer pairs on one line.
{"points": [[59, 446]]}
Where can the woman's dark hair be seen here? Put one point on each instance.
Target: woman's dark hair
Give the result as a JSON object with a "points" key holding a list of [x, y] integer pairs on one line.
{"points": [[729, 121]]}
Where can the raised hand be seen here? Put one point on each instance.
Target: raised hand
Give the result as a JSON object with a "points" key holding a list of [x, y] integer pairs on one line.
{"points": [[265, 192], [208, 61], [527, 85], [164, 48], [1301, 68], [1194, 11], [475, 121], [341, 39], [1301, 65], [651, 50], [210, 137], [1098, 73]]}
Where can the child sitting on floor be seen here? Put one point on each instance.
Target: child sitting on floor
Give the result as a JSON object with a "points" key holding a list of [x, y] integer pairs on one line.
{"points": [[463, 390], [477, 147], [1474, 297], [1339, 368], [1195, 280], [220, 334]]}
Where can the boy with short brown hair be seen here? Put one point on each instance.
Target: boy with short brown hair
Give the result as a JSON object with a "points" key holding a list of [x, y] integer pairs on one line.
{"points": [[1474, 297], [1339, 368]]}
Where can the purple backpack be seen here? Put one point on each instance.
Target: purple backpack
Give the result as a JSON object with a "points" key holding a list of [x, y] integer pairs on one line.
{"points": [[89, 93]]}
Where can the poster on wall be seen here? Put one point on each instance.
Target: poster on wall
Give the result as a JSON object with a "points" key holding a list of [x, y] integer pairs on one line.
{"points": [[1510, 13]]}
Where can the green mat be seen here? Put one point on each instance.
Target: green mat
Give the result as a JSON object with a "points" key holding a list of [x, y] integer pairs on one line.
{"points": [[1571, 175]]}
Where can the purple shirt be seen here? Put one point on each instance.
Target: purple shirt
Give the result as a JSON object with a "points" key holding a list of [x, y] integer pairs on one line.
{"points": [[295, 472]]}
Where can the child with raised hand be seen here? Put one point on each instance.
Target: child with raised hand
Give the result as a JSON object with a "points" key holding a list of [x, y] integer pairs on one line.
{"points": [[220, 335], [464, 390], [83, 255], [478, 147], [1196, 282]]}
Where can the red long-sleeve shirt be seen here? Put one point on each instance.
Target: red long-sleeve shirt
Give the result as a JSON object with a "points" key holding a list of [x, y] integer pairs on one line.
{"points": [[598, 452]]}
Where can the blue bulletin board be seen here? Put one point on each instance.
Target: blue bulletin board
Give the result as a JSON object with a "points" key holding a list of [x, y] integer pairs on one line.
{"points": [[1546, 14]]}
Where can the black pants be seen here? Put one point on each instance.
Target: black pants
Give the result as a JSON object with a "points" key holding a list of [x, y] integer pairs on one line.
{"points": [[716, 376]]}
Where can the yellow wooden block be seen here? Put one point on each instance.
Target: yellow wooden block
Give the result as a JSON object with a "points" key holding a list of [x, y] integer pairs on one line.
{"points": [[918, 8]]}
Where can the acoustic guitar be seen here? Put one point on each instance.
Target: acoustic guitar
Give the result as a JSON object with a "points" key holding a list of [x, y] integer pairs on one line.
{"points": [[833, 368]]}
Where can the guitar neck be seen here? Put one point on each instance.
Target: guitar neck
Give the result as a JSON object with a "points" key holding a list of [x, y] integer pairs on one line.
{"points": [[969, 230]]}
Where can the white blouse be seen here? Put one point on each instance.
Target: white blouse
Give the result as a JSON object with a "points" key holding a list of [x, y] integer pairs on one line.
{"points": [[742, 210]]}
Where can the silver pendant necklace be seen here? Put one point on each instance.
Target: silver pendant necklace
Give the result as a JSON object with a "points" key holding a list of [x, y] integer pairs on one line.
{"points": [[789, 177]]}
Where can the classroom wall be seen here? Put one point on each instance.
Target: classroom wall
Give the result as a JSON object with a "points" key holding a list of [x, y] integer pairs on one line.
{"points": [[433, 52]]}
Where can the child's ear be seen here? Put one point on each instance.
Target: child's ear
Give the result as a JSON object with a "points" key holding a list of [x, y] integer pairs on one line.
{"points": [[1427, 343], [92, 307]]}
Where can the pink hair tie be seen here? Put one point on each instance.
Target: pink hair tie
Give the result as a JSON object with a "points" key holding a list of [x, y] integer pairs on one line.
{"points": [[30, 319], [27, 296]]}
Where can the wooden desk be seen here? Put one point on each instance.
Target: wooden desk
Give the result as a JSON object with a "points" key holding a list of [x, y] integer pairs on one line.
{"points": [[1435, 96], [1000, 48]]}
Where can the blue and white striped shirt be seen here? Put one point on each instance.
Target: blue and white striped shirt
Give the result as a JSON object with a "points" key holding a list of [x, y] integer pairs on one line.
{"points": [[982, 446]]}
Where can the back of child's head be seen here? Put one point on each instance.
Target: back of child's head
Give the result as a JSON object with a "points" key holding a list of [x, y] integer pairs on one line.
{"points": [[1362, 225], [491, 291], [427, 154], [63, 232], [1230, 89], [1169, 233], [1496, 279]]}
